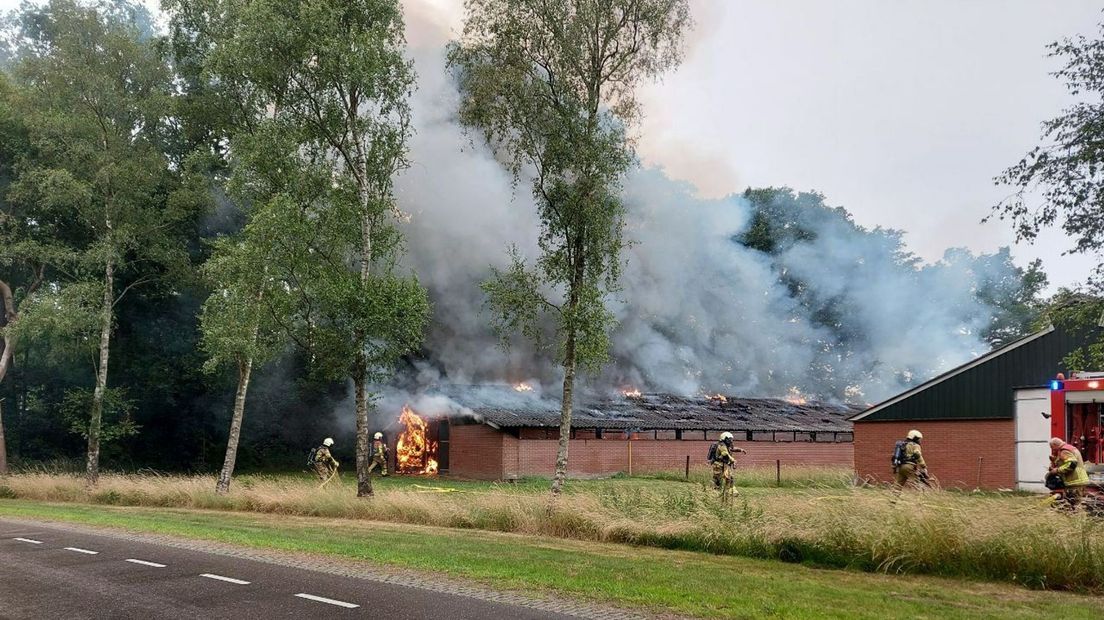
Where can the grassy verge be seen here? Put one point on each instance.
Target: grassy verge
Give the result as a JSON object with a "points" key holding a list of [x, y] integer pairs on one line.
{"points": [[990, 536], [664, 581]]}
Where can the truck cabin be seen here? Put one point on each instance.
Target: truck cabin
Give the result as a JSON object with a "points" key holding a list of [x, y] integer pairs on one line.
{"points": [[1077, 412]]}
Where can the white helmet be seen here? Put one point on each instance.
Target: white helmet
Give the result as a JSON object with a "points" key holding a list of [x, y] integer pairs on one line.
{"points": [[378, 436], [327, 442], [726, 436], [915, 434]]}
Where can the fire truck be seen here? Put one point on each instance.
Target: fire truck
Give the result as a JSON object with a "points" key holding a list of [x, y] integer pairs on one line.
{"points": [[1077, 415]]}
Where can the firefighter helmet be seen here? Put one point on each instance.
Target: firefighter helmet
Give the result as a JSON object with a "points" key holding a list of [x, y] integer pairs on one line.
{"points": [[327, 442], [915, 435], [378, 436], [726, 436]]}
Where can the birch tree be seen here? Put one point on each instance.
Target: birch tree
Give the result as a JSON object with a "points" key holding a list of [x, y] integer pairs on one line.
{"points": [[23, 269], [1060, 184], [97, 102], [334, 77], [550, 84]]}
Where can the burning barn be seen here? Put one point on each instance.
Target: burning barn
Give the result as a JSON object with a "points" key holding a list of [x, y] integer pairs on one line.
{"points": [[504, 432]]}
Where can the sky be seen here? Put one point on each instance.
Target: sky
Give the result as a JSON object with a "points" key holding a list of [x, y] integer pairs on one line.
{"points": [[902, 112]]}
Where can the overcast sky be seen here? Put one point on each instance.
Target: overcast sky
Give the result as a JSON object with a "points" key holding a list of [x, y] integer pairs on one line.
{"points": [[902, 111]]}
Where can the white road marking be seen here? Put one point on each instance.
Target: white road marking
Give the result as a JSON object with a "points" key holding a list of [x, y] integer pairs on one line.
{"points": [[321, 599], [79, 550], [29, 540], [226, 579], [145, 563]]}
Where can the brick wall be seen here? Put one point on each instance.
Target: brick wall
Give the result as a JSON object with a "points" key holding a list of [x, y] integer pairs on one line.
{"points": [[607, 457], [484, 453], [951, 450], [476, 451]]}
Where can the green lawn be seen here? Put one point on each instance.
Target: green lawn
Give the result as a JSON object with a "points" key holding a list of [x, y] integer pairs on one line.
{"points": [[673, 581]]}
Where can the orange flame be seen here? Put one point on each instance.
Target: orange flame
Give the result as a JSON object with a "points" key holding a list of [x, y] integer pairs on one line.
{"points": [[413, 451], [630, 393], [720, 398], [523, 387], [794, 396]]}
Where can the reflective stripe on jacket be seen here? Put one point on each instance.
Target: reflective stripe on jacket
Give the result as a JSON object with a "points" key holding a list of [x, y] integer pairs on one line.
{"points": [[1069, 463]]}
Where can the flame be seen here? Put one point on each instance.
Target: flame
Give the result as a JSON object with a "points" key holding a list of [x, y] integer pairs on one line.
{"points": [[523, 387], [413, 451], [795, 396], [630, 393], [720, 398]]}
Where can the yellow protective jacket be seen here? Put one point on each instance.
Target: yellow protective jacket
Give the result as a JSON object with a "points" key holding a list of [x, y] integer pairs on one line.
{"points": [[1069, 463], [913, 455], [379, 450], [723, 456], [322, 455]]}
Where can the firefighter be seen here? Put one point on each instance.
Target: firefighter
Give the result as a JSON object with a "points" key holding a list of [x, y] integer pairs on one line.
{"points": [[324, 462], [722, 461], [910, 464], [1066, 461], [379, 455]]}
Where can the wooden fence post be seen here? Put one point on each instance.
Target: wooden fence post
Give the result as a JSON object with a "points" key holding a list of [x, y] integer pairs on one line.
{"points": [[687, 466], [778, 472]]}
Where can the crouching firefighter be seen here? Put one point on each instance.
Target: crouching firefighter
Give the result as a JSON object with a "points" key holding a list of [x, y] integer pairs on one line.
{"points": [[908, 461], [325, 465], [380, 453], [720, 458], [1067, 472]]}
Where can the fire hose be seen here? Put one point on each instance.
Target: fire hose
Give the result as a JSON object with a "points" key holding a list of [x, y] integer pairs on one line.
{"points": [[327, 480], [425, 489]]}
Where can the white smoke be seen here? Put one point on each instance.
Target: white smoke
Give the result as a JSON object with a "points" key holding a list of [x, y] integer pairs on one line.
{"points": [[698, 311]]}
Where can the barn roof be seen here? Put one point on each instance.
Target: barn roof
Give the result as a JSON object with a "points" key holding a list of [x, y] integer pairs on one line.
{"points": [[503, 407]]}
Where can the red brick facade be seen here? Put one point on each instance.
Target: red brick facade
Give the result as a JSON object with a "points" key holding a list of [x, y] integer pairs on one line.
{"points": [[477, 451], [481, 452], [964, 454]]}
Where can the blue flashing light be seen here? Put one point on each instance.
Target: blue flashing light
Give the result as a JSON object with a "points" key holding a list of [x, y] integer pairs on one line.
{"points": [[1055, 384]]}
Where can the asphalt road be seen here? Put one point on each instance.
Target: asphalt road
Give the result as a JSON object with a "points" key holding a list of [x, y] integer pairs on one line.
{"points": [[54, 572]]}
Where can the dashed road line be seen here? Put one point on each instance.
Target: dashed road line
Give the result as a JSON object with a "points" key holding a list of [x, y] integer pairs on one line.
{"points": [[145, 563], [29, 540], [84, 551], [322, 599], [240, 582]]}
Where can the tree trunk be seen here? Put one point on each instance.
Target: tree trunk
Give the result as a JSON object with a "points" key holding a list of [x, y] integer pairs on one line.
{"points": [[92, 471], [8, 316], [5, 363], [245, 371], [3, 443], [363, 445], [565, 414], [6, 355], [360, 366], [568, 398]]}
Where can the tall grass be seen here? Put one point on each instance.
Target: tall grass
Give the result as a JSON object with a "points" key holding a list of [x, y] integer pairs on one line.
{"points": [[763, 476], [995, 537]]}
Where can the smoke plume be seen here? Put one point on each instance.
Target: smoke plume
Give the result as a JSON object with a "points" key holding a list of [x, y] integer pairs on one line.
{"points": [[699, 312]]}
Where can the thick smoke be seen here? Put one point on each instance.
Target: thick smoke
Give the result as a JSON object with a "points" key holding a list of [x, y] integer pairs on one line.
{"points": [[699, 312], [702, 312]]}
